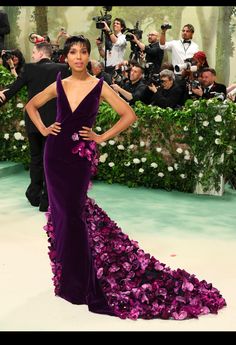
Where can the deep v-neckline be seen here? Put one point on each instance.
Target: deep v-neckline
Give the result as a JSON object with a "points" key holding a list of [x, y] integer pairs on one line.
{"points": [[77, 107]]}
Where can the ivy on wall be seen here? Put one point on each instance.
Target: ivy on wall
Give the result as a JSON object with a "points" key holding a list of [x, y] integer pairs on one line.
{"points": [[164, 148]]}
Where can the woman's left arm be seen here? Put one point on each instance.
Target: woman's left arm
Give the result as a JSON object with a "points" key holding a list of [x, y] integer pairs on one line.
{"points": [[127, 116]]}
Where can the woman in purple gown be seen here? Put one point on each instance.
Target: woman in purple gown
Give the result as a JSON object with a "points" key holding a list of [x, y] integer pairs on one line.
{"points": [[93, 261]]}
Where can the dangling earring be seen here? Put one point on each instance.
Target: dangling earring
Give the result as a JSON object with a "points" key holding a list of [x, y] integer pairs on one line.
{"points": [[66, 61]]}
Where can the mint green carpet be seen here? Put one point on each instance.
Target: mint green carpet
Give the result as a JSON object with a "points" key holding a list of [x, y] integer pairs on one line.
{"points": [[195, 232]]}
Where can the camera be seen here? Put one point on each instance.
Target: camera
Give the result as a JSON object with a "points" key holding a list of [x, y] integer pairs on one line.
{"points": [[189, 64], [218, 95], [195, 84], [149, 76], [104, 17], [118, 77], [155, 79], [7, 55], [135, 31], [57, 55], [166, 26]]}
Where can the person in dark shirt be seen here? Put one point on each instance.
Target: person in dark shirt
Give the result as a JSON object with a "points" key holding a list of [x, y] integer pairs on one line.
{"points": [[36, 76], [169, 94], [135, 88], [154, 53], [4, 28], [97, 69]]}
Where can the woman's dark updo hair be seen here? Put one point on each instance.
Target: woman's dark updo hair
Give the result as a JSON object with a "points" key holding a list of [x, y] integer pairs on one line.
{"points": [[74, 40]]}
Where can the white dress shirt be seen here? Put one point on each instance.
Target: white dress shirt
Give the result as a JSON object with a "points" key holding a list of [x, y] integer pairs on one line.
{"points": [[116, 54], [180, 51]]}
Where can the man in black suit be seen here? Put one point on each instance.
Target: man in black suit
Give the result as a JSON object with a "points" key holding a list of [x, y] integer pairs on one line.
{"points": [[4, 28], [209, 88], [36, 77]]}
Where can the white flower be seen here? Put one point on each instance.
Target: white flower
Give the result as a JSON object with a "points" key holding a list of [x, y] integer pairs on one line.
{"points": [[170, 168], [22, 123], [14, 147], [141, 170], [136, 161], [217, 141], [111, 164], [143, 159], [218, 118], [229, 150], [211, 100], [131, 146], [103, 144], [127, 164], [98, 129], [195, 160], [195, 103], [103, 158], [154, 165], [218, 133], [183, 176], [176, 166], [186, 152], [200, 175], [112, 142], [20, 105], [160, 174], [22, 137], [120, 147], [23, 147], [179, 150], [185, 128], [200, 138], [17, 135], [187, 157], [142, 143], [205, 123], [6, 136], [158, 149]]}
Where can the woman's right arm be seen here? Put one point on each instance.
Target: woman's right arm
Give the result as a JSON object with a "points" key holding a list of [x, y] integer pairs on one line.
{"points": [[38, 101]]}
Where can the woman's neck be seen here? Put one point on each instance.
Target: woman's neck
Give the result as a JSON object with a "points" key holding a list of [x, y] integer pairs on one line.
{"points": [[83, 76]]}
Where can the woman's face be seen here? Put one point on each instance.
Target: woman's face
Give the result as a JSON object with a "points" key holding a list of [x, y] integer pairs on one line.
{"points": [[78, 57]]}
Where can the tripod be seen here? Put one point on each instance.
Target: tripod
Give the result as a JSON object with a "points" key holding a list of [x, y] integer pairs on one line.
{"points": [[108, 45]]}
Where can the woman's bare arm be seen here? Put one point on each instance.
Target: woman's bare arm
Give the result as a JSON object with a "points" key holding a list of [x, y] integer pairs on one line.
{"points": [[38, 101], [127, 116]]}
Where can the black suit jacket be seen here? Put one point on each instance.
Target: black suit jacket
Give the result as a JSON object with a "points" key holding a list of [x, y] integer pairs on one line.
{"points": [[36, 77], [4, 28], [216, 88]]}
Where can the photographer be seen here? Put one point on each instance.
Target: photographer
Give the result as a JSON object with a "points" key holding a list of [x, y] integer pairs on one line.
{"points": [[153, 51], [118, 44], [135, 88], [13, 60], [169, 94], [209, 88], [181, 49], [97, 69], [36, 76]]}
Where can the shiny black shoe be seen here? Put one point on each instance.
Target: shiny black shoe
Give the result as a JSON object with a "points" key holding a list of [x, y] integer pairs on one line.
{"points": [[34, 202], [43, 206]]}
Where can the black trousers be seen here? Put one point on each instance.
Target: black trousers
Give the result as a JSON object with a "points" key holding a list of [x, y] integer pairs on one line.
{"points": [[37, 189]]}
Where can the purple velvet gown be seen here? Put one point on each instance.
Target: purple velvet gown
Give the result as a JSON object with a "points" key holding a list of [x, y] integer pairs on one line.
{"points": [[93, 261]]}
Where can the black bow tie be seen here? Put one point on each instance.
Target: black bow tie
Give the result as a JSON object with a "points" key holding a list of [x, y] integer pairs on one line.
{"points": [[186, 41]]}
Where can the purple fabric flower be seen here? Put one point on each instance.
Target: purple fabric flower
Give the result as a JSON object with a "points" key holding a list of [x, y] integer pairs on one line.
{"points": [[136, 285], [88, 150], [75, 136]]}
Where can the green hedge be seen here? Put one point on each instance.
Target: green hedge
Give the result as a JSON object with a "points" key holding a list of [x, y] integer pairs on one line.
{"points": [[165, 148]]}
